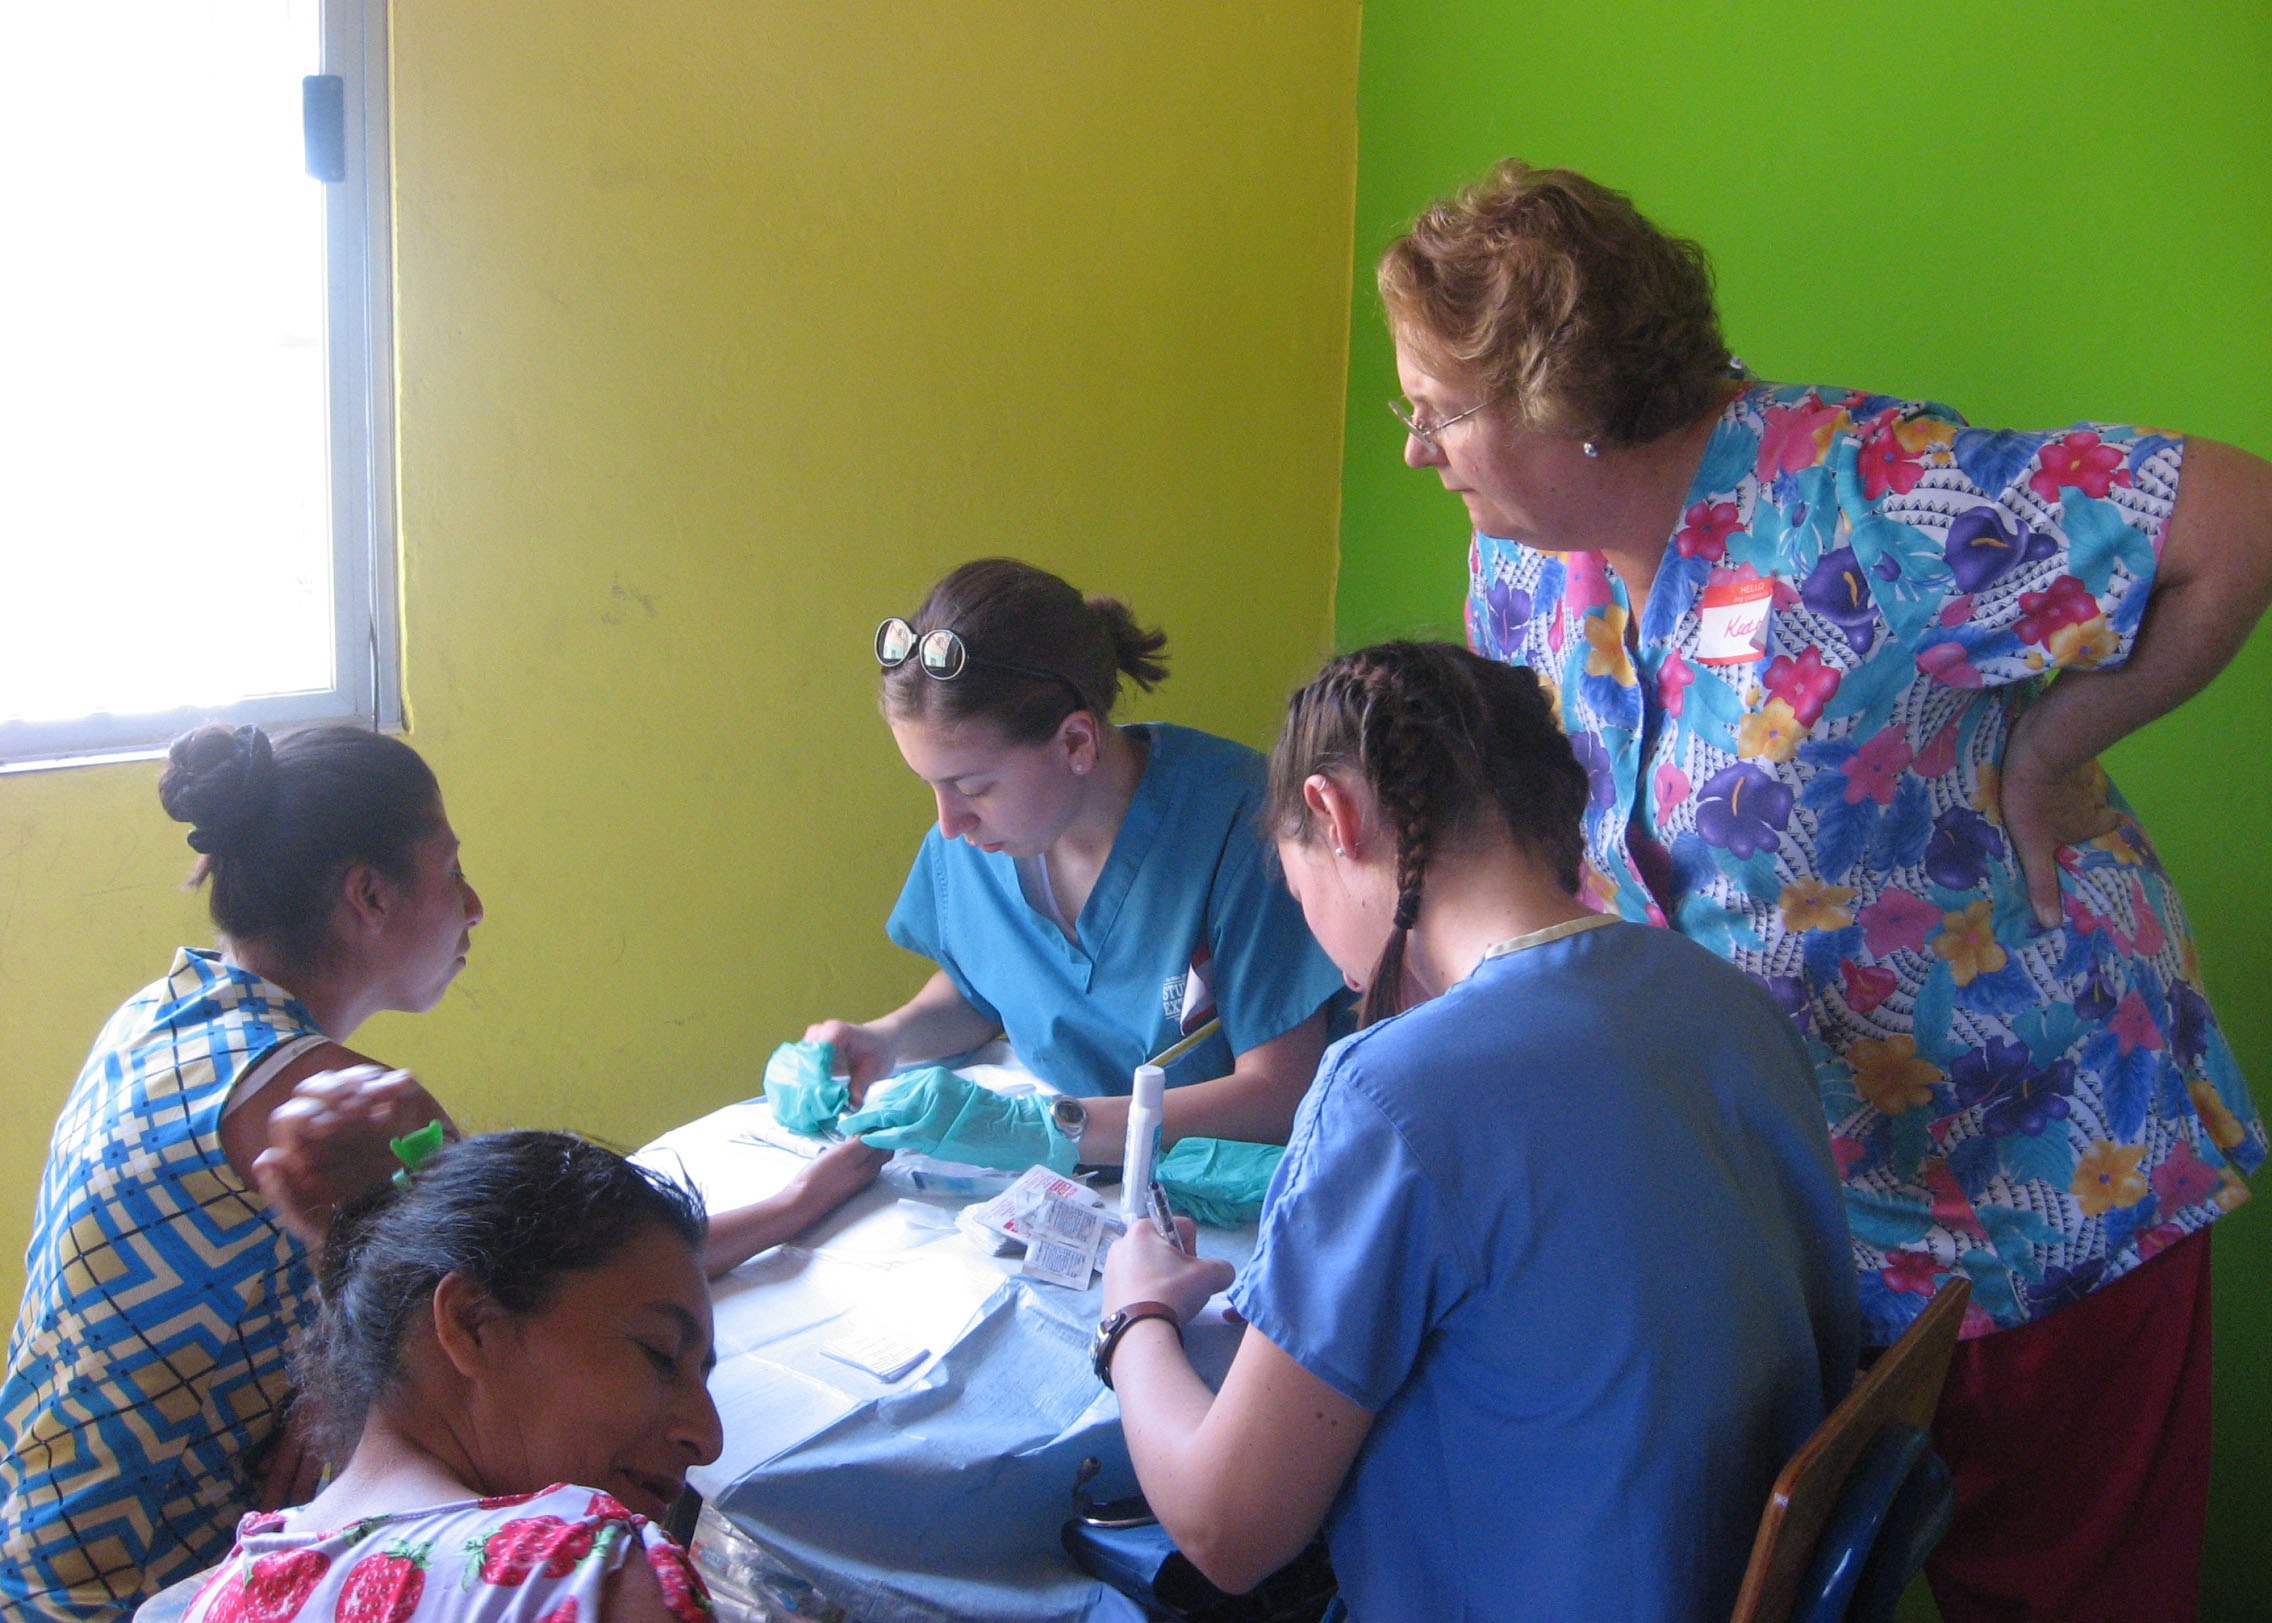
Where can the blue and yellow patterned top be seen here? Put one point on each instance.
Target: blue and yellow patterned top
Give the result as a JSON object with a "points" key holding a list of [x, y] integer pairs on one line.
{"points": [[148, 1359], [1795, 763]]}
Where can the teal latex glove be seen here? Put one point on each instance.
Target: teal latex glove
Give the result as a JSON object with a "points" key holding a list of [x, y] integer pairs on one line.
{"points": [[806, 1097], [938, 1113], [1217, 1180]]}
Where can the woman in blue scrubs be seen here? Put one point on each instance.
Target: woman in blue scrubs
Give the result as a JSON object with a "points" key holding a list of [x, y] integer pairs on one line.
{"points": [[1554, 1275], [1096, 892]]}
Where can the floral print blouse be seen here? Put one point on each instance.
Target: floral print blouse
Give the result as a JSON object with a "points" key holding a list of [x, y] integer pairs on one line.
{"points": [[544, 1557], [1795, 763]]}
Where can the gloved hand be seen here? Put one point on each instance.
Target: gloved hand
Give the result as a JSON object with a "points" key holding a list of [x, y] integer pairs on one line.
{"points": [[1219, 1181], [938, 1113], [807, 1097]]}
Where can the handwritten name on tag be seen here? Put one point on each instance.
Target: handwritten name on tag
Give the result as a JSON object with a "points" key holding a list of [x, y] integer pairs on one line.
{"points": [[1732, 621]]}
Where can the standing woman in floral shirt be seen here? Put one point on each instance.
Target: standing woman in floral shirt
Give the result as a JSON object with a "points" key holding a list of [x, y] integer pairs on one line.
{"points": [[1801, 638]]}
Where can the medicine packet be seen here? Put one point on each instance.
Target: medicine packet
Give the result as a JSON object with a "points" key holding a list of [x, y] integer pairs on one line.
{"points": [[1062, 1241], [1002, 1212], [1044, 1207]]}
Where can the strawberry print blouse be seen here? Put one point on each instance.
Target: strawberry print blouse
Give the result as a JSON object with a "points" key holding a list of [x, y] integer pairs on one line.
{"points": [[528, 1558], [1795, 763]]}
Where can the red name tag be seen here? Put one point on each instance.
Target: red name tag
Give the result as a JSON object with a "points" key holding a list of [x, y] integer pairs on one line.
{"points": [[1732, 621]]}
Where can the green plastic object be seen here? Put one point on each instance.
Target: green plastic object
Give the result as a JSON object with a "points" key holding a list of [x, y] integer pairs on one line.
{"points": [[806, 1093], [937, 1113], [414, 1150], [1219, 1181]]}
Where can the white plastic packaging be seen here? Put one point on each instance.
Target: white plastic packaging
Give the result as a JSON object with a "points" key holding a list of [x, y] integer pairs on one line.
{"points": [[1146, 1105]]}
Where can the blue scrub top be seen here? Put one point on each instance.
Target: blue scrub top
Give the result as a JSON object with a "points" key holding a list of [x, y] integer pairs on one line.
{"points": [[1189, 917], [1573, 1234]]}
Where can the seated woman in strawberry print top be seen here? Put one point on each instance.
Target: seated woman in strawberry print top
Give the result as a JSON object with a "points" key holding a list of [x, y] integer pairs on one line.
{"points": [[1804, 639], [517, 1343]]}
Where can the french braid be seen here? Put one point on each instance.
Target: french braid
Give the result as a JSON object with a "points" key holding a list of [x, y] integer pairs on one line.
{"points": [[1399, 752], [1443, 737]]}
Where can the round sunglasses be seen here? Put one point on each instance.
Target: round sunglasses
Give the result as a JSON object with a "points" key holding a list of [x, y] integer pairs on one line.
{"points": [[942, 655]]}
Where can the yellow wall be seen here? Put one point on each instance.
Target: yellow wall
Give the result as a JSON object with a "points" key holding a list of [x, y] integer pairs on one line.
{"points": [[724, 328]]}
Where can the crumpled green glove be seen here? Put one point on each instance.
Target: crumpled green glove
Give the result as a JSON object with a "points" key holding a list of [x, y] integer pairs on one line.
{"points": [[940, 1114], [807, 1097], [1219, 1181]]}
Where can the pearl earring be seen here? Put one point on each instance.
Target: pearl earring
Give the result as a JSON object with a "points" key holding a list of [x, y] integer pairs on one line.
{"points": [[1591, 449]]}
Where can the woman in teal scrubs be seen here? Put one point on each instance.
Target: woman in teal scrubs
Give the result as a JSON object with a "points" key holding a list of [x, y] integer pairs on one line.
{"points": [[1095, 892]]}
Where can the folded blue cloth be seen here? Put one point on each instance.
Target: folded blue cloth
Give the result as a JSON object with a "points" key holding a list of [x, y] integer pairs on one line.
{"points": [[1219, 1181]]}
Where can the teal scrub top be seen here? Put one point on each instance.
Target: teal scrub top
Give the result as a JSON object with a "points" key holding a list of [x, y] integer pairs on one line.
{"points": [[1190, 918]]}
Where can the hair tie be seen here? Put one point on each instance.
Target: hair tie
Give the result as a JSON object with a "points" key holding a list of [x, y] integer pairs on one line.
{"points": [[414, 1150]]}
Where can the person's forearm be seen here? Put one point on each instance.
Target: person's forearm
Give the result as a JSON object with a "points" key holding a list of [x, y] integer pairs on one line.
{"points": [[738, 1235], [1220, 1512], [932, 1024], [2182, 644], [1258, 1109], [1254, 1104], [2213, 586]]}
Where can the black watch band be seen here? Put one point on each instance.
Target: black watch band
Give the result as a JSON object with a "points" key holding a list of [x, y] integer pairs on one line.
{"points": [[1117, 1325]]}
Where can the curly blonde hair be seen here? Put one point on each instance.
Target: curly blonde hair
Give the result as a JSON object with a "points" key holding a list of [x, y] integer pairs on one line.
{"points": [[1557, 295]]}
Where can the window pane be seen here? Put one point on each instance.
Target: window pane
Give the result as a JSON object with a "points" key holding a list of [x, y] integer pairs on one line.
{"points": [[165, 529]]}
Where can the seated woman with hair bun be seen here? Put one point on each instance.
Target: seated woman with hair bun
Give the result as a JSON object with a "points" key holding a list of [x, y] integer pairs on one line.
{"points": [[516, 1343], [214, 1125]]}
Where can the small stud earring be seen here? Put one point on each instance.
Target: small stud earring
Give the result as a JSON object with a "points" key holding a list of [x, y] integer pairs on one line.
{"points": [[1592, 449], [1337, 851]]}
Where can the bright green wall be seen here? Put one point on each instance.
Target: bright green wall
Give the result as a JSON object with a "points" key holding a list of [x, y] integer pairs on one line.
{"points": [[2035, 212], [724, 329]]}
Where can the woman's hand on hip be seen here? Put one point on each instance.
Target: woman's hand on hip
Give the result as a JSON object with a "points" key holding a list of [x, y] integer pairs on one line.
{"points": [[2044, 809]]}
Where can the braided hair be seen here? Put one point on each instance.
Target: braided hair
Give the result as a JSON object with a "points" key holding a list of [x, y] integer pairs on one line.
{"points": [[1449, 743]]}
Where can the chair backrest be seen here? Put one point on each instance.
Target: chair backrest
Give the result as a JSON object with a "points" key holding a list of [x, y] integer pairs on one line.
{"points": [[1902, 1386]]}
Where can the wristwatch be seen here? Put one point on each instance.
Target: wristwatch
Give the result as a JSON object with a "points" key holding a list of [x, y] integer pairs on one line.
{"points": [[1071, 1117], [1116, 1325]]}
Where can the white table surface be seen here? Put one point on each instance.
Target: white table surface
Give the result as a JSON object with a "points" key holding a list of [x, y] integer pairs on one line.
{"points": [[938, 1496]]}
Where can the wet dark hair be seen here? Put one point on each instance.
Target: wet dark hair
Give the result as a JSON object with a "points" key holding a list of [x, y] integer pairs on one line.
{"points": [[1444, 738], [276, 826], [511, 1212], [1007, 611]]}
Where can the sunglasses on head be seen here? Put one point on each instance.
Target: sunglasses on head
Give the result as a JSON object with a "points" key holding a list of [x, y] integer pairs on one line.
{"points": [[942, 655]]}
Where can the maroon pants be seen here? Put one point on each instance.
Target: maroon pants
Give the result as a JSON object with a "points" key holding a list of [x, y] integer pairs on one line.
{"points": [[2080, 1448]]}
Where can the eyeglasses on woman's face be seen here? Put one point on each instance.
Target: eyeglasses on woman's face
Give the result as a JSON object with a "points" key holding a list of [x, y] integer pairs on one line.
{"points": [[1423, 430], [942, 655]]}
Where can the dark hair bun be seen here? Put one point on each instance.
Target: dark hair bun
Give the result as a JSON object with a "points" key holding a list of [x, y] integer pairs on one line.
{"points": [[221, 780]]}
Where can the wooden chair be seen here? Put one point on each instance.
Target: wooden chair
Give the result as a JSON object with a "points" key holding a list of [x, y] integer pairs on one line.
{"points": [[1901, 1390]]}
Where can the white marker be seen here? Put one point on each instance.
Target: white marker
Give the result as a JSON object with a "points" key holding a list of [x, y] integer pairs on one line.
{"points": [[1146, 1105]]}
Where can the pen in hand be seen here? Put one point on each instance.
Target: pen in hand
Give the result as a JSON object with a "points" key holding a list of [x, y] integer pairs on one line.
{"points": [[1163, 1218]]}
